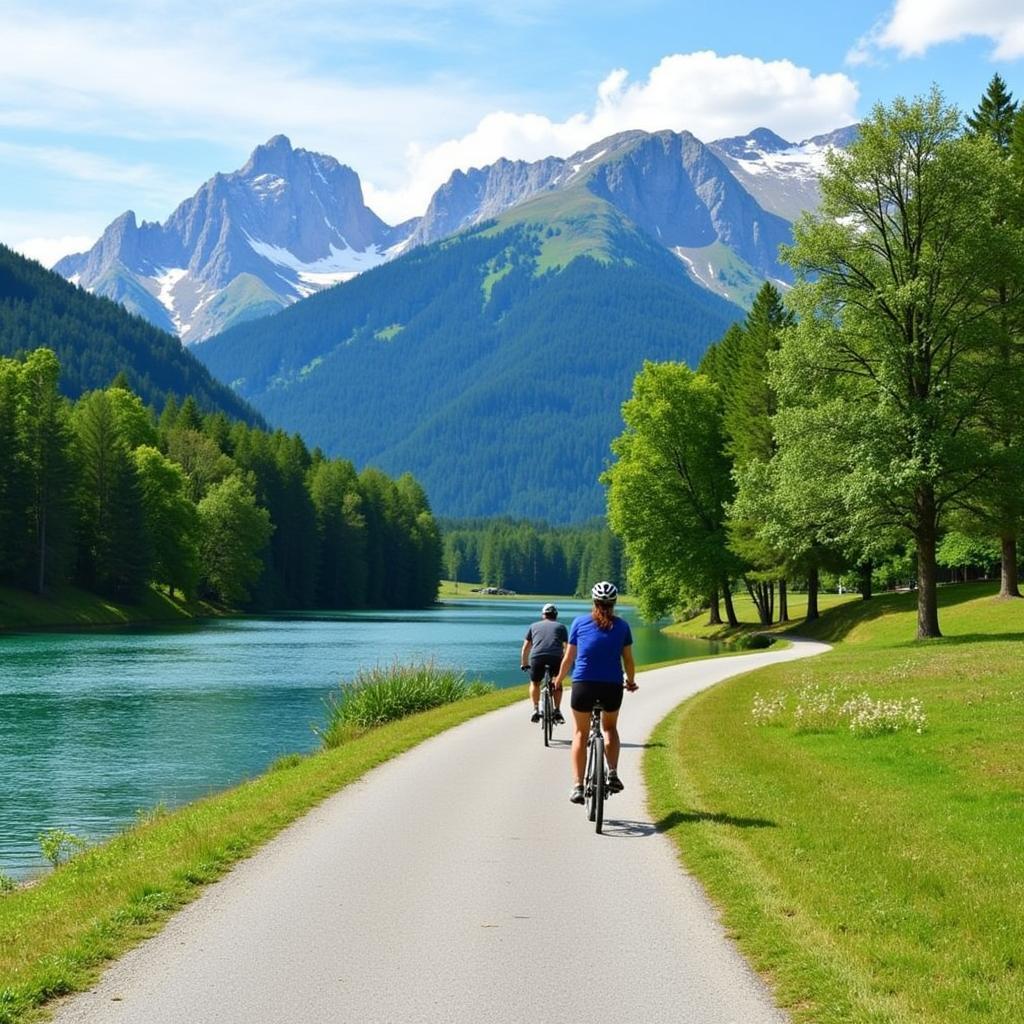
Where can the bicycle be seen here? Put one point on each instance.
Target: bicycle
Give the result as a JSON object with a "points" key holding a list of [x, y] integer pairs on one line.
{"points": [[547, 706], [595, 782]]}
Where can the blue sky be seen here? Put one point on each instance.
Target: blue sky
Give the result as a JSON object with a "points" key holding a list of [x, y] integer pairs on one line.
{"points": [[126, 105]]}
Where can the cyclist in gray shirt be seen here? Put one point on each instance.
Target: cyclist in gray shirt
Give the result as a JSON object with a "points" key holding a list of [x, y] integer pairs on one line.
{"points": [[543, 649]]}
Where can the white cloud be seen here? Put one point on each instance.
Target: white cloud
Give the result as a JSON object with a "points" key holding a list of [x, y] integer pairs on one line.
{"points": [[49, 250], [915, 26], [707, 94], [135, 79]]}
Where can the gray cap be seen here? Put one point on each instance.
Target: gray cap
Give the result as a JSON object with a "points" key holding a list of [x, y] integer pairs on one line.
{"points": [[549, 609]]}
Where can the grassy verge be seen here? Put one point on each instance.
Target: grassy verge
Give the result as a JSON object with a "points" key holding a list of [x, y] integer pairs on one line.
{"points": [[55, 936], [70, 607], [872, 877]]}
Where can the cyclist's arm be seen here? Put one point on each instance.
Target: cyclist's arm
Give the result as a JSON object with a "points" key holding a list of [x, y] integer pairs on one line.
{"points": [[524, 656], [630, 666], [567, 659]]}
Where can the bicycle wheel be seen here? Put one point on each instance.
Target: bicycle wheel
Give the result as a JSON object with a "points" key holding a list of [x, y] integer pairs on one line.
{"points": [[546, 714], [590, 780], [597, 817]]}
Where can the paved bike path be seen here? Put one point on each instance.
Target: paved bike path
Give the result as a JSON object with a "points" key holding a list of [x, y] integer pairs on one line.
{"points": [[457, 884]]}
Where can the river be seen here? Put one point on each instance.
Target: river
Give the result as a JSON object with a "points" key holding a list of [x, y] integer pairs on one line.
{"points": [[98, 725]]}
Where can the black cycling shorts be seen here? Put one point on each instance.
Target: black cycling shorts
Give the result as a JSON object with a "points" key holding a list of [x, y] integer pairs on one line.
{"points": [[585, 694], [541, 662]]}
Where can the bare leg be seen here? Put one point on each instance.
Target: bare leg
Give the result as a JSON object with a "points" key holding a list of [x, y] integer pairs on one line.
{"points": [[610, 723], [581, 726], [558, 698], [534, 693]]}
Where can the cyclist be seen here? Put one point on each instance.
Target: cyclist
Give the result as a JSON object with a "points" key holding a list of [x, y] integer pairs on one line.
{"points": [[543, 649], [601, 645]]}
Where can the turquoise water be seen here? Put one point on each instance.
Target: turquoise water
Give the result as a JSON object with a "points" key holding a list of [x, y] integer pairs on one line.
{"points": [[97, 725]]}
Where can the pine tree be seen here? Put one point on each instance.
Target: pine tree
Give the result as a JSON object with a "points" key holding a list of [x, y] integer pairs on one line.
{"points": [[995, 114], [51, 472], [113, 550], [14, 488]]}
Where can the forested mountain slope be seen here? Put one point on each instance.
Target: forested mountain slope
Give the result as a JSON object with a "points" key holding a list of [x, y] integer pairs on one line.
{"points": [[95, 339], [492, 365]]}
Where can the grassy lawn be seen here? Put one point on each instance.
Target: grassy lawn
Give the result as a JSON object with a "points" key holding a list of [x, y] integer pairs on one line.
{"points": [[72, 607], [57, 934], [747, 614], [870, 878]]}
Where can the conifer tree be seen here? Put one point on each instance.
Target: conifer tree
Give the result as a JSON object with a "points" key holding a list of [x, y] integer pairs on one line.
{"points": [[995, 114], [51, 472]]}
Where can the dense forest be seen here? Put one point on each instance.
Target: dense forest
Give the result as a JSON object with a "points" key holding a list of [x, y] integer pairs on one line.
{"points": [[531, 557], [495, 381], [103, 493], [95, 338], [869, 425]]}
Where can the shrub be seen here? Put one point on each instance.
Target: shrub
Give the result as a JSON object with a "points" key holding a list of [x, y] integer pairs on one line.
{"points": [[380, 695], [753, 641], [59, 846], [7, 884]]}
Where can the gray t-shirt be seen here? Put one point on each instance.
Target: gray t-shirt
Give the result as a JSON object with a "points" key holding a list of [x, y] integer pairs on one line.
{"points": [[547, 637]]}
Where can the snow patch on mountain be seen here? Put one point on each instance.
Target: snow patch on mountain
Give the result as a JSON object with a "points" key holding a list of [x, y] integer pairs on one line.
{"points": [[166, 279]]}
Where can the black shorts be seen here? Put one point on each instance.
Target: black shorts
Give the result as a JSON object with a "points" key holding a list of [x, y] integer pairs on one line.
{"points": [[541, 662], [585, 694]]}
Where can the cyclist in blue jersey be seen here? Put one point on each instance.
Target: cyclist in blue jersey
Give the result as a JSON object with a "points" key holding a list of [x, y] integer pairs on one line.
{"points": [[601, 646]]}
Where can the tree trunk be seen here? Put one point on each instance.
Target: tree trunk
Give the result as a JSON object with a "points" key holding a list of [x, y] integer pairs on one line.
{"points": [[812, 594], [716, 616], [759, 595], [1008, 576], [783, 602], [927, 590], [41, 578], [865, 580], [730, 612]]}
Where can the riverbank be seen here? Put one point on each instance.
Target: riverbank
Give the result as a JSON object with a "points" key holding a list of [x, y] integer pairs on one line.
{"points": [[72, 608], [870, 875], [449, 590], [56, 934]]}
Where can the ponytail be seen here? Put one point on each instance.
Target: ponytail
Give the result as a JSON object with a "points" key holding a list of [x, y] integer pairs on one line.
{"points": [[604, 615]]}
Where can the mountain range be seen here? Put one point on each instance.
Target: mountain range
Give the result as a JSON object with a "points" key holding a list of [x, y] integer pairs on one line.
{"points": [[292, 222]]}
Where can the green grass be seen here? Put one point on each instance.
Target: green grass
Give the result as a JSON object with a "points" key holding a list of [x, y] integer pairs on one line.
{"points": [[870, 879], [56, 935], [72, 607], [388, 333], [747, 614], [581, 224]]}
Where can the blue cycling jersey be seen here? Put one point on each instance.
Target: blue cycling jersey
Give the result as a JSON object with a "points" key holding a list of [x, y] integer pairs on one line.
{"points": [[599, 652]]}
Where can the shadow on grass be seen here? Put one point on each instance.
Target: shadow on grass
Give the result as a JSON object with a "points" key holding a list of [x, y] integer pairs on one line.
{"points": [[694, 817], [836, 623]]}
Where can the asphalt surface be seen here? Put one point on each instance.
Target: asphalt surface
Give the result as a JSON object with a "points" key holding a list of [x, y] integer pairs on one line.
{"points": [[457, 884]]}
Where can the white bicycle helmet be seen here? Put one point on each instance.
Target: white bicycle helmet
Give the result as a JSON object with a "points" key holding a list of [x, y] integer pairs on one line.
{"points": [[604, 591]]}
